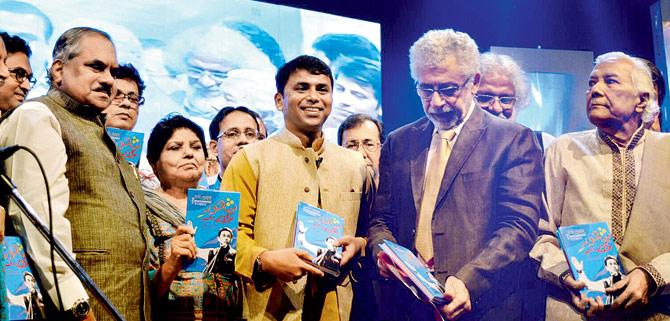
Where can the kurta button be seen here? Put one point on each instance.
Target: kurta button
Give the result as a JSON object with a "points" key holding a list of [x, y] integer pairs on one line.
{"points": [[306, 160], [306, 189]]}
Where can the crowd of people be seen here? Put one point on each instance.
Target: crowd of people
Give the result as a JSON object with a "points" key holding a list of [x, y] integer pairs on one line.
{"points": [[475, 195]]}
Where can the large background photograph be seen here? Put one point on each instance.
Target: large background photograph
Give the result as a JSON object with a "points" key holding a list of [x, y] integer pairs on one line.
{"points": [[197, 57]]}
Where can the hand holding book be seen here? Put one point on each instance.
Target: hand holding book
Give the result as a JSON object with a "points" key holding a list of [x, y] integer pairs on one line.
{"points": [[351, 246], [287, 264]]}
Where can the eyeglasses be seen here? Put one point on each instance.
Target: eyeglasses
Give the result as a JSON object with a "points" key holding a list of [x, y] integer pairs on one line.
{"points": [[488, 100], [196, 73], [235, 134], [134, 99], [426, 91], [21, 75], [369, 145]]}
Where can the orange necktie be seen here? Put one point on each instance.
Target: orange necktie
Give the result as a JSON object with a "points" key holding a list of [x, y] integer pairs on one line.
{"points": [[431, 187]]}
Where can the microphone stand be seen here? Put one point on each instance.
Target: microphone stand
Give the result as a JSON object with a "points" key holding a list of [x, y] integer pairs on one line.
{"points": [[6, 185]]}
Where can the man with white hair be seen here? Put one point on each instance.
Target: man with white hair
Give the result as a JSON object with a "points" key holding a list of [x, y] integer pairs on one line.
{"points": [[503, 89], [612, 174], [465, 200]]}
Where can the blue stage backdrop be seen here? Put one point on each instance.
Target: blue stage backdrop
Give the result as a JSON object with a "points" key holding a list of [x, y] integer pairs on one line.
{"points": [[198, 56]]}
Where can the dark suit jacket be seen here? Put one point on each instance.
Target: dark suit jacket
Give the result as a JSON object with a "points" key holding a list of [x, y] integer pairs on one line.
{"points": [[486, 213]]}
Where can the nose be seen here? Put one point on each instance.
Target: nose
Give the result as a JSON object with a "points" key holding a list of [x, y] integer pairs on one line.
{"points": [[496, 107], [595, 90], [243, 140], [436, 100], [206, 79], [25, 86], [107, 79]]}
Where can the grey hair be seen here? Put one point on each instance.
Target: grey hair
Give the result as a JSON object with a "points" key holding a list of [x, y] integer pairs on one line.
{"points": [[435, 46], [504, 65], [641, 79], [67, 46]]}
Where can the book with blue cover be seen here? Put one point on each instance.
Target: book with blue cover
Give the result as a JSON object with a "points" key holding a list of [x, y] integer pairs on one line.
{"points": [[316, 231], [129, 143], [593, 258], [214, 216], [23, 297], [412, 272]]}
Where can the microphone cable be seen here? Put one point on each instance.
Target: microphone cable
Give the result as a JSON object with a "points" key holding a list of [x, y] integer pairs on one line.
{"points": [[51, 230]]}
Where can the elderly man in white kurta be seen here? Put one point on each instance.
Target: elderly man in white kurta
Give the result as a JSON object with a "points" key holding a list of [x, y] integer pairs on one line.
{"points": [[612, 174]]}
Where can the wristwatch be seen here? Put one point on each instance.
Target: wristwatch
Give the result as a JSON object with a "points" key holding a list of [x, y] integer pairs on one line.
{"points": [[80, 309], [259, 265]]}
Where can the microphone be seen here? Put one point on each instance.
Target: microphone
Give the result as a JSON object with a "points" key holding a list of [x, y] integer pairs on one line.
{"points": [[6, 152], [318, 162]]}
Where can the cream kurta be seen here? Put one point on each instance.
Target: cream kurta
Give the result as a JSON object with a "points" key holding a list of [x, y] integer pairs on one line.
{"points": [[579, 178], [273, 176]]}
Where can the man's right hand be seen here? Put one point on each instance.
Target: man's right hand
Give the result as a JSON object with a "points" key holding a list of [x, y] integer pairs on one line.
{"points": [[287, 264], [588, 306]]}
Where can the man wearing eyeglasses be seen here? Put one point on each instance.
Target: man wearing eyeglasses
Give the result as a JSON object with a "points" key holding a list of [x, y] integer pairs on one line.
{"points": [[364, 134], [466, 200], [231, 129], [125, 106], [15, 88], [503, 89]]}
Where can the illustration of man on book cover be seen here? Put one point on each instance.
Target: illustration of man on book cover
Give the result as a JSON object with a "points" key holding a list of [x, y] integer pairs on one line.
{"points": [[222, 259], [316, 233], [24, 300], [593, 258], [214, 216]]}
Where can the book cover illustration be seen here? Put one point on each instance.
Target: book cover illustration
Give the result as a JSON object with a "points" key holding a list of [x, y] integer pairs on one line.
{"points": [[128, 142], [412, 272], [214, 216], [316, 231], [593, 258], [23, 297]]}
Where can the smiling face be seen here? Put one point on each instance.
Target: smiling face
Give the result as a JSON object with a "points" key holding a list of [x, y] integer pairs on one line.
{"points": [[306, 102], [87, 78], [446, 112], [13, 93], [612, 102], [122, 113], [181, 160]]}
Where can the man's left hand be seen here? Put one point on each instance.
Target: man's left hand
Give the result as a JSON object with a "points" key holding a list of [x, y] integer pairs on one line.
{"points": [[458, 296], [635, 288], [350, 247]]}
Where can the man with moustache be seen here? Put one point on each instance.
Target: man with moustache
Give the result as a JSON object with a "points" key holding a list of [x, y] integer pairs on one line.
{"points": [[273, 176], [125, 107], [612, 174], [98, 208], [467, 201], [13, 92]]}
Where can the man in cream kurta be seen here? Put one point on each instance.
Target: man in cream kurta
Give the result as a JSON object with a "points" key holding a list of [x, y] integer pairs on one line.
{"points": [[273, 175], [611, 174]]}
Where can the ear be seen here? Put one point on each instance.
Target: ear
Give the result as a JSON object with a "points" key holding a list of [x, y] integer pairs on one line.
{"points": [[56, 73], [475, 82], [212, 147], [643, 103], [279, 101]]}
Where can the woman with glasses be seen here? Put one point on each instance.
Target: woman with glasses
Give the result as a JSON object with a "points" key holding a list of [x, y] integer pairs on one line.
{"points": [[176, 152]]}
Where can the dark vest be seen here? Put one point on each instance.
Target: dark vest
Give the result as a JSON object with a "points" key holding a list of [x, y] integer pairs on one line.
{"points": [[106, 210]]}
